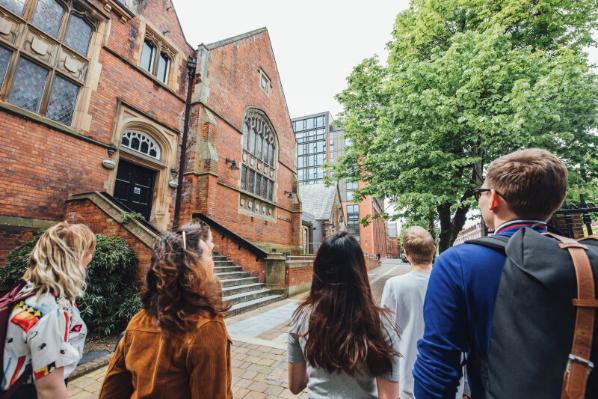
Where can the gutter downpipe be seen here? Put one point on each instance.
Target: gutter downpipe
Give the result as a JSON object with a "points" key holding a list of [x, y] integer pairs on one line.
{"points": [[191, 66]]}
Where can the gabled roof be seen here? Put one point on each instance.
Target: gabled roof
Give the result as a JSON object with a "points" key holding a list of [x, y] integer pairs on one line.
{"points": [[233, 39], [318, 199]]}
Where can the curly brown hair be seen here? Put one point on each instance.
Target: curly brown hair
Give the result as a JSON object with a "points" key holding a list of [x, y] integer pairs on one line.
{"points": [[180, 284]]}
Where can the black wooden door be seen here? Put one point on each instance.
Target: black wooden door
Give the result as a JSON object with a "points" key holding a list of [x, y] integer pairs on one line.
{"points": [[135, 187]]}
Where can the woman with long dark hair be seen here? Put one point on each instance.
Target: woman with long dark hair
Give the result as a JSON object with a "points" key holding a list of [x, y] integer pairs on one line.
{"points": [[349, 343], [177, 346]]}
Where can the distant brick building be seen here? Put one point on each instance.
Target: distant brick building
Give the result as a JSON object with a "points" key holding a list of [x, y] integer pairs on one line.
{"points": [[93, 100]]}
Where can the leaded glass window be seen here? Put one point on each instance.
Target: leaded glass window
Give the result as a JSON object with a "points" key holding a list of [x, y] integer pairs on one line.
{"points": [[28, 85], [147, 55], [163, 68], [46, 82], [5, 55], [62, 100], [14, 6], [142, 143], [258, 172], [48, 16], [78, 34]]}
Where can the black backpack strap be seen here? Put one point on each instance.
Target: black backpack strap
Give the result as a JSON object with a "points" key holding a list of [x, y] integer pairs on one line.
{"points": [[495, 242]]}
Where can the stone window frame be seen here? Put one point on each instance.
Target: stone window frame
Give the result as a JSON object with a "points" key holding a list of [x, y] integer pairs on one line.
{"points": [[265, 82], [130, 119], [26, 41], [152, 144], [161, 47], [251, 202]]}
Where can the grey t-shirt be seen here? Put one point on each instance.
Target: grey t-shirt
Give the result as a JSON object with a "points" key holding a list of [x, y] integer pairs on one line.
{"points": [[325, 385]]}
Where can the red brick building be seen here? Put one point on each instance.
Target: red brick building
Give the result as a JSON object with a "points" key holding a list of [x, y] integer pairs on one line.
{"points": [[93, 98]]}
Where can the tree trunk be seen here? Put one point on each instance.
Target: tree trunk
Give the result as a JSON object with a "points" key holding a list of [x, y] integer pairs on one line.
{"points": [[450, 227], [444, 215]]}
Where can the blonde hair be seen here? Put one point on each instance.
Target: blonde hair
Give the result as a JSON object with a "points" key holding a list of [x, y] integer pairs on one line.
{"points": [[419, 245], [56, 261]]}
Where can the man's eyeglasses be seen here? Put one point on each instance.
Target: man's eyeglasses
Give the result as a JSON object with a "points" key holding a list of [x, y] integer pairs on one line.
{"points": [[477, 193]]}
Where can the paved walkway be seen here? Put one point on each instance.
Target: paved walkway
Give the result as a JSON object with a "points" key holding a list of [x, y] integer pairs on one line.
{"points": [[259, 362]]}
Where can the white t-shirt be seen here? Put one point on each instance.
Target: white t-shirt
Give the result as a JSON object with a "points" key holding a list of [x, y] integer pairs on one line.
{"points": [[44, 333], [404, 295]]}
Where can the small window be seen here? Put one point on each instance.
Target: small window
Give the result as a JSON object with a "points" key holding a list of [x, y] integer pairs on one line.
{"points": [[5, 56], [147, 55], [14, 6], [163, 67], [78, 34], [264, 82], [28, 85], [48, 16]]}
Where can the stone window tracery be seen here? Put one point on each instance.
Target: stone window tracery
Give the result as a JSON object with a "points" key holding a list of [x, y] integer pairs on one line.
{"points": [[45, 72], [141, 143], [258, 170], [156, 56]]}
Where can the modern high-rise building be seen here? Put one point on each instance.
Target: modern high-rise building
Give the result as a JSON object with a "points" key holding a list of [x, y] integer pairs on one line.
{"points": [[320, 143], [312, 134]]}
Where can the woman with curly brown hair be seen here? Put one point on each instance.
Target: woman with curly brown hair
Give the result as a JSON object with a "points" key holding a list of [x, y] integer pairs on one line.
{"points": [[177, 346]]}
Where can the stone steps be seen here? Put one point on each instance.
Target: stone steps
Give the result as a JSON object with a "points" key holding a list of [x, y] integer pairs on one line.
{"points": [[239, 288], [249, 305]]}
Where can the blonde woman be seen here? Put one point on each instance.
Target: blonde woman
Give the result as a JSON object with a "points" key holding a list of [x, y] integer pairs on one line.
{"points": [[45, 335]]}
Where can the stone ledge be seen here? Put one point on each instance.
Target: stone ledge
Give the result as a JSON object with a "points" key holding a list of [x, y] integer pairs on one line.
{"points": [[88, 367]]}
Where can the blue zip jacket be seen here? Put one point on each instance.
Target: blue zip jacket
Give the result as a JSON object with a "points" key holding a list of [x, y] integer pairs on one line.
{"points": [[458, 312]]}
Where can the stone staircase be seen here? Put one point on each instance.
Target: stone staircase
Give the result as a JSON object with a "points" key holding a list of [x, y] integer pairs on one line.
{"points": [[240, 289]]}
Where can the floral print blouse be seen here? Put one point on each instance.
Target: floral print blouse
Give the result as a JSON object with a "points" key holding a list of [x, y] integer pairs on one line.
{"points": [[44, 333]]}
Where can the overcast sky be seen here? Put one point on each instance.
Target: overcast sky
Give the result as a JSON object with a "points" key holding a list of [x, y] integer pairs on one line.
{"points": [[316, 42]]}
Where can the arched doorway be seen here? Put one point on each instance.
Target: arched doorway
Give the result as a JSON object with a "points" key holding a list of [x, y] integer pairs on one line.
{"points": [[134, 185]]}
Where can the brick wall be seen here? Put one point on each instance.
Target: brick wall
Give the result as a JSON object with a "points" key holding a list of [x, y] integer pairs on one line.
{"points": [[241, 256], [84, 211], [10, 238], [232, 81]]}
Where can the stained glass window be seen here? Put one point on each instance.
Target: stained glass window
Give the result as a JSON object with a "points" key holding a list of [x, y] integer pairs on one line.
{"points": [[5, 55], [147, 55], [142, 143], [28, 85], [78, 34], [48, 16], [63, 100], [163, 67], [15, 6]]}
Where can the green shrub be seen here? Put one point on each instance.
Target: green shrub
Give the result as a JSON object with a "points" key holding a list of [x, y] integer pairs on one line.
{"points": [[111, 297]]}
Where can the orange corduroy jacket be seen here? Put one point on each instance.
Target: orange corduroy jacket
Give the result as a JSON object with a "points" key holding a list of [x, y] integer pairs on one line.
{"points": [[151, 364]]}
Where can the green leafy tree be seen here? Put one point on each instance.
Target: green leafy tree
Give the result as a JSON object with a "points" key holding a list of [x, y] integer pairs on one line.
{"points": [[468, 81]]}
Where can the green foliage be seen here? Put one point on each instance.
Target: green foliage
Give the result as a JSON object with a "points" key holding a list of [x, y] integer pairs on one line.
{"points": [[468, 81], [111, 297]]}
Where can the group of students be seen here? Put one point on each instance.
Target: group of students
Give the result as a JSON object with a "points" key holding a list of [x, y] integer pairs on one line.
{"points": [[341, 344]]}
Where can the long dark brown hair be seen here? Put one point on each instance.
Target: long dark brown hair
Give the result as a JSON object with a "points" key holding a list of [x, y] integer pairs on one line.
{"points": [[346, 332], [180, 282]]}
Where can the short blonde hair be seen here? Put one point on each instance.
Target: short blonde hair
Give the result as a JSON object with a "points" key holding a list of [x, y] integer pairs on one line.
{"points": [[56, 261], [533, 182], [418, 242]]}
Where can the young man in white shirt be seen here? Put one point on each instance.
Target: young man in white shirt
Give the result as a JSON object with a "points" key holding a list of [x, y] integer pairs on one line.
{"points": [[404, 296]]}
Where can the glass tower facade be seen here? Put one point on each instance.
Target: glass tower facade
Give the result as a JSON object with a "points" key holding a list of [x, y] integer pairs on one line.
{"points": [[312, 135]]}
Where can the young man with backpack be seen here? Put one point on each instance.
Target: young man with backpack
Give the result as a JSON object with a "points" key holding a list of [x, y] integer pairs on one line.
{"points": [[510, 302]]}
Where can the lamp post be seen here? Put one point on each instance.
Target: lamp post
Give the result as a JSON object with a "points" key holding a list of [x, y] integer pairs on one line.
{"points": [[191, 65]]}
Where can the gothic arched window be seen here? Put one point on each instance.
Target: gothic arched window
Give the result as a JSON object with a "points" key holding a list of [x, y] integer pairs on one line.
{"points": [[142, 143], [258, 171]]}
